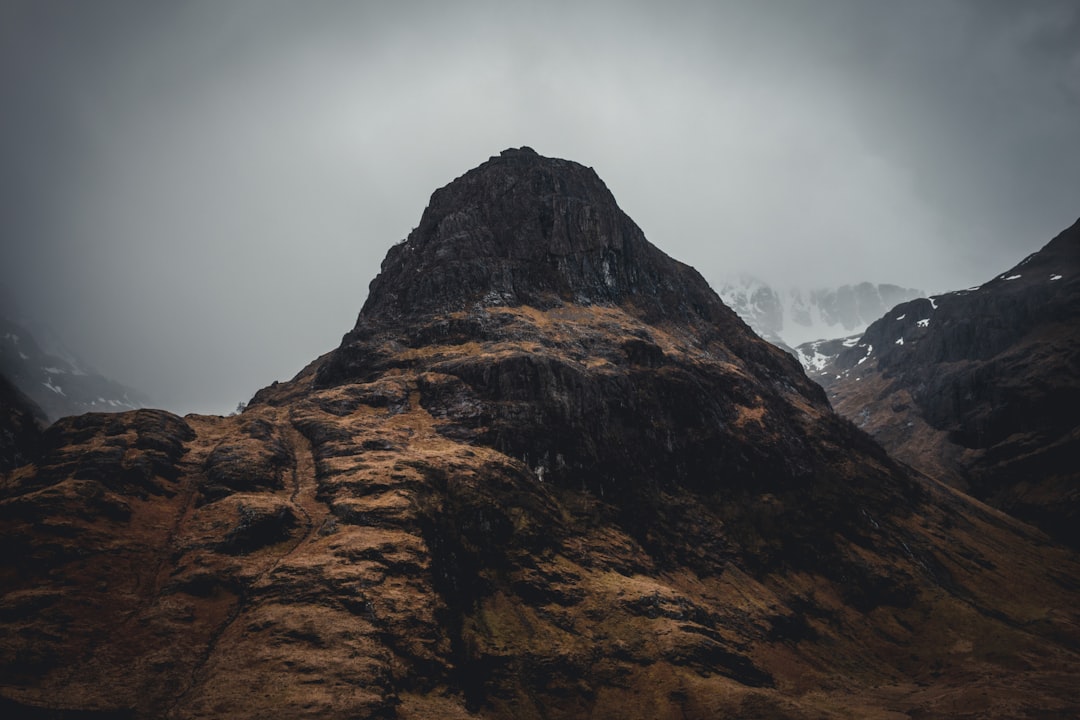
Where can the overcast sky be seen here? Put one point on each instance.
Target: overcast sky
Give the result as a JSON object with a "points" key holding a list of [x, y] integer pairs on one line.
{"points": [[195, 195]]}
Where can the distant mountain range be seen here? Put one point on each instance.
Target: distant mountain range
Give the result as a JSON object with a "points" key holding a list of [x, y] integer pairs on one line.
{"points": [[791, 316], [36, 362]]}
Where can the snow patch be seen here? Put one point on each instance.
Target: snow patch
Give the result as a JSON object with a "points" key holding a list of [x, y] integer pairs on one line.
{"points": [[609, 278], [55, 388], [1013, 277], [816, 361], [933, 303], [924, 322], [851, 342], [902, 316], [1055, 277], [55, 371], [899, 341], [869, 349]]}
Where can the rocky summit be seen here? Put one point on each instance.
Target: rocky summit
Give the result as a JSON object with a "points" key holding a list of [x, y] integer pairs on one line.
{"points": [[548, 474]]}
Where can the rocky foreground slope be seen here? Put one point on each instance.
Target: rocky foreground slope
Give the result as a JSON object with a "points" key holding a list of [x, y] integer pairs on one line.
{"points": [[981, 387], [547, 475]]}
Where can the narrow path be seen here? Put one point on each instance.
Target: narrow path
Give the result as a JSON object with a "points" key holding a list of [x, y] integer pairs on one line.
{"points": [[305, 484], [192, 464], [312, 513], [302, 497]]}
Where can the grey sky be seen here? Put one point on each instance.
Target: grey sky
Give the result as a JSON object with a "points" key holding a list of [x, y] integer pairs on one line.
{"points": [[197, 194]]}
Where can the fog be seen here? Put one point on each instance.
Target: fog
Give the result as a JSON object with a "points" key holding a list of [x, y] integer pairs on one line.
{"points": [[195, 195]]}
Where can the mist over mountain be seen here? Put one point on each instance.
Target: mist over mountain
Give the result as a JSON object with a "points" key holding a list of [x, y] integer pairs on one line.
{"points": [[791, 316], [272, 149], [38, 363], [546, 474]]}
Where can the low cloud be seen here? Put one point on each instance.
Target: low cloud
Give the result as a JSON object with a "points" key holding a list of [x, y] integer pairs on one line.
{"points": [[196, 195]]}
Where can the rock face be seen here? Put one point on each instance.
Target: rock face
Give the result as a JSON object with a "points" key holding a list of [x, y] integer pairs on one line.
{"points": [[547, 475], [982, 387], [584, 311], [521, 230]]}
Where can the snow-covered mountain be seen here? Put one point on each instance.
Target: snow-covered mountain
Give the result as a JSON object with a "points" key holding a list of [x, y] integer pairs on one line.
{"points": [[34, 360], [792, 316]]}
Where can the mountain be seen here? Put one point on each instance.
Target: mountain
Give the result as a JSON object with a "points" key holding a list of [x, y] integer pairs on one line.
{"points": [[52, 376], [547, 474], [793, 316], [981, 387]]}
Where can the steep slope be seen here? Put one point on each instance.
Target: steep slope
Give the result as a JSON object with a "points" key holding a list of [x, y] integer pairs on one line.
{"points": [[982, 387], [21, 422], [55, 379], [789, 317], [548, 474]]}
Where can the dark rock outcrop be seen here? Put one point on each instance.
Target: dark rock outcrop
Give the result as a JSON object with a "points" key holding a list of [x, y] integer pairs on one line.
{"points": [[547, 475], [21, 422], [526, 230], [615, 331], [987, 380]]}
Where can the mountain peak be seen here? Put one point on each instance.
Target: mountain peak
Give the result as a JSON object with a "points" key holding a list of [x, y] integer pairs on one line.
{"points": [[524, 229], [523, 152]]}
